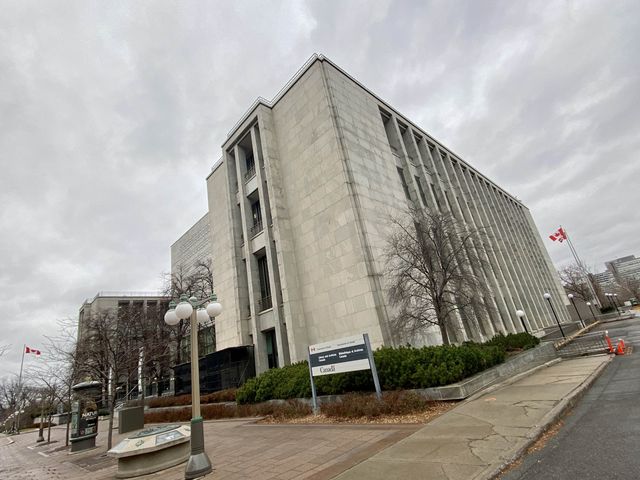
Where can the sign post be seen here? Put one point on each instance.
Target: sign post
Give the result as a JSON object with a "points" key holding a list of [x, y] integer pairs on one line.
{"points": [[348, 354], [313, 388], [372, 363]]}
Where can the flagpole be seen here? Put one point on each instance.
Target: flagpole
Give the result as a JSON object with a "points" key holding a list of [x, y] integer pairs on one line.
{"points": [[580, 264], [17, 426]]}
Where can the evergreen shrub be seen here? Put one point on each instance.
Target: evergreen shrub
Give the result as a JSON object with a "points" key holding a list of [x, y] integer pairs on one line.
{"points": [[514, 341], [398, 368]]}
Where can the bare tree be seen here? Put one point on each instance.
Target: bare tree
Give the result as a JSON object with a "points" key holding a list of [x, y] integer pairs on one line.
{"points": [[573, 280], [431, 265], [196, 281], [629, 287], [61, 370], [15, 397], [107, 353], [117, 347]]}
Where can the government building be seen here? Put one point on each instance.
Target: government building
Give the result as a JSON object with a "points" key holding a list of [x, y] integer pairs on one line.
{"points": [[299, 208]]}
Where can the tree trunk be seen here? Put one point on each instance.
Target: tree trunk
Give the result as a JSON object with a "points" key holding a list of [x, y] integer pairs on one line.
{"points": [[443, 332], [66, 437], [49, 429], [112, 407]]}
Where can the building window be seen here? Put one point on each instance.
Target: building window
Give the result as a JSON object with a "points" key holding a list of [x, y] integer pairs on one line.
{"points": [[435, 195], [405, 187], [421, 191], [256, 216], [265, 286], [250, 165], [206, 340], [272, 348]]}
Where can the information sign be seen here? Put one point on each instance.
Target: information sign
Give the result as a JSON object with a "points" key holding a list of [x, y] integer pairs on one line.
{"points": [[339, 356]]}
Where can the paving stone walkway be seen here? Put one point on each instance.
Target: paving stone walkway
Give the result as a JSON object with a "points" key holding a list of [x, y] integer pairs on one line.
{"points": [[239, 449], [468, 442], [476, 438]]}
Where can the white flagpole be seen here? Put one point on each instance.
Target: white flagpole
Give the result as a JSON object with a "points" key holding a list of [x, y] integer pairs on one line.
{"points": [[580, 264], [19, 399]]}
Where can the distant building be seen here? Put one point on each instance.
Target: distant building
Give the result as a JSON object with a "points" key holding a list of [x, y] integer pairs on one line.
{"points": [[149, 306], [618, 270], [192, 247], [301, 199]]}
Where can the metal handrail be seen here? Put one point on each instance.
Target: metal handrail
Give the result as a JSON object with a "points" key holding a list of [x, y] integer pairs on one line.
{"points": [[250, 174], [265, 304], [256, 228]]}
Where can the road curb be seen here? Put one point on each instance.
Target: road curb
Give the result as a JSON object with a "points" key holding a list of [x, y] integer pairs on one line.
{"points": [[551, 417]]}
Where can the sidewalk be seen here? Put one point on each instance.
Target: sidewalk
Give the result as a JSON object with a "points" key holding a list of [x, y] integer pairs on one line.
{"points": [[486, 432]]}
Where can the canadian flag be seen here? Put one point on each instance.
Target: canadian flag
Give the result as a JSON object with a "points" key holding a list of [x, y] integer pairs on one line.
{"points": [[560, 236], [31, 350]]}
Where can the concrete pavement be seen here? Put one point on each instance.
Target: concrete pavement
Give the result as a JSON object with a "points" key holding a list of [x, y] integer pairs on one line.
{"points": [[481, 435], [239, 449], [471, 441], [601, 437]]}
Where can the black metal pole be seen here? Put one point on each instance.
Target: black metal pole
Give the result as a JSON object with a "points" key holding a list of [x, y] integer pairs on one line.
{"points": [[573, 300], [524, 325], [556, 317], [592, 314], [615, 302]]}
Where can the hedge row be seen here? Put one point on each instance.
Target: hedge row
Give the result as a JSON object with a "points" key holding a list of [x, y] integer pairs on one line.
{"points": [[228, 395], [514, 341], [398, 368]]}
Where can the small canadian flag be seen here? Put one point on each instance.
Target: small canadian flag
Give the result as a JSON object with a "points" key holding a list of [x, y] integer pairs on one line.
{"points": [[31, 350], [560, 236]]}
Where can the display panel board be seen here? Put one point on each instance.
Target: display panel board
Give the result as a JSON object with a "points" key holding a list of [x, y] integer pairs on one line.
{"points": [[338, 356], [347, 354]]}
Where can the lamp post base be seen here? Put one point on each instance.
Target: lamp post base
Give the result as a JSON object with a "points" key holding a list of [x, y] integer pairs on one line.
{"points": [[198, 464]]}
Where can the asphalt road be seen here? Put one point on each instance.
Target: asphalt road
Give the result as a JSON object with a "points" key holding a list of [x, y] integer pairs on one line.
{"points": [[600, 438]]}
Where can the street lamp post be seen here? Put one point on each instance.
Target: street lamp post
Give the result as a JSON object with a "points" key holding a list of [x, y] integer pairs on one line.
{"points": [[548, 297], [198, 464], [520, 315], [573, 300], [610, 296], [592, 314], [41, 429], [615, 300]]}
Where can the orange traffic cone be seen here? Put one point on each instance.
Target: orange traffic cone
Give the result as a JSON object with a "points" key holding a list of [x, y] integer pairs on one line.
{"points": [[606, 336], [620, 347]]}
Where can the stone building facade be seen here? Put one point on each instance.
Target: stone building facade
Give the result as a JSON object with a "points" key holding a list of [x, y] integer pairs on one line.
{"points": [[192, 247], [618, 270], [301, 200]]}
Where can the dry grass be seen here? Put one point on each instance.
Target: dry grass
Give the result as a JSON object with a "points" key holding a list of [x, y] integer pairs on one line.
{"points": [[395, 408], [434, 410], [228, 395]]}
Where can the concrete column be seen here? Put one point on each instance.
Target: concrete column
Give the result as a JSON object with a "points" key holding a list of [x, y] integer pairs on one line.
{"points": [[459, 332], [272, 262], [558, 295], [518, 274], [529, 257], [496, 262], [501, 309], [443, 165], [520, 259], [260, 353], [513, 296]]}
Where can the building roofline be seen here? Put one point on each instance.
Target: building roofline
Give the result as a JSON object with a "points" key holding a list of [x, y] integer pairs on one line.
{"points": [[120, 294], [316, 57], [190, 228]]}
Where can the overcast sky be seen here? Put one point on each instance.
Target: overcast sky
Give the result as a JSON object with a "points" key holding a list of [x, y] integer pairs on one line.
{"points": [[112, 113]]}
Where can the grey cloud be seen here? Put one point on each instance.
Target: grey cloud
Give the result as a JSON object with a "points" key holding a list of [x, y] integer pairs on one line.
{"points": [[112, 114]]}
